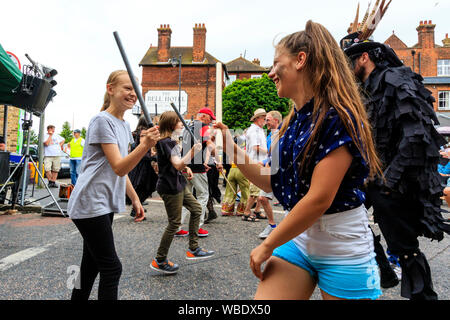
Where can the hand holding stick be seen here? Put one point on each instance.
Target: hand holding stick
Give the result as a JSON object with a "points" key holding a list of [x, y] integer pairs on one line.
{"points": [[196, 141]]}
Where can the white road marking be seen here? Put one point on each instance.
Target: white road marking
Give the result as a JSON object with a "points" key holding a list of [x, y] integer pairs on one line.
{"points": [[24, 255], [19, 257]]}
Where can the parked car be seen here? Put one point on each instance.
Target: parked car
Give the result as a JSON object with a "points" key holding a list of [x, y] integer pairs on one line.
{"points": [[65, 166], [65, 161]]}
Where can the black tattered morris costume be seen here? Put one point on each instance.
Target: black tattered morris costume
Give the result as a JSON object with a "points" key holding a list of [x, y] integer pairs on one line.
{"points": [[407, 203]]}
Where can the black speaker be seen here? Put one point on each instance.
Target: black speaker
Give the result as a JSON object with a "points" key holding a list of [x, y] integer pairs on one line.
{"points": [[4, 166], [34, 94]]}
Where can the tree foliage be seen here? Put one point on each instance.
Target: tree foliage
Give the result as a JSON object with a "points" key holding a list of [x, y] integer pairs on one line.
{"points": [[83, 132], [243, 97], [34, 139], [66, 132]]}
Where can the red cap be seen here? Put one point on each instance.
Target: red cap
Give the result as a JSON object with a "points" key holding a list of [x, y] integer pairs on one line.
{"points": [[208, 112]]}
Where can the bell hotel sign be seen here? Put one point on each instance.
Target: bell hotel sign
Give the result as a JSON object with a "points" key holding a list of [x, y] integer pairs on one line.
{"points": [[158, 101]]}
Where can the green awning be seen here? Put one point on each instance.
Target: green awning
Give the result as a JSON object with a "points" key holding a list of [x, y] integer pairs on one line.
{"points": [[10, 77]]}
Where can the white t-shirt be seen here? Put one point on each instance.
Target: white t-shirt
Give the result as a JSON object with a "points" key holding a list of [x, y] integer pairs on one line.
{"points": [[256, 136], [99, 190], [54, 148]]}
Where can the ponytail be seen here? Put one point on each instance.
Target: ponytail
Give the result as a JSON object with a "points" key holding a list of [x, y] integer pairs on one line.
{"points": [[106, 102], [112, 79]]}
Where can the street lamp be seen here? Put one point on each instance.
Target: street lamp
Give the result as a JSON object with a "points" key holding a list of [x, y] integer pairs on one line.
{"points": [[174, 62]]}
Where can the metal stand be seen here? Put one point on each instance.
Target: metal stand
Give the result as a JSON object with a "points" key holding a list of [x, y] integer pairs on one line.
{"points": [[27, 123]]}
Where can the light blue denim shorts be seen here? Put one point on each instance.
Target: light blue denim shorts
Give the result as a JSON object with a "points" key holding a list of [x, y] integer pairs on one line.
{"points": [[337, 251]]}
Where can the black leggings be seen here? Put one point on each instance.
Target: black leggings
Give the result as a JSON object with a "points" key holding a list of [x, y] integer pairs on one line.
{"points": [[99, 255]]}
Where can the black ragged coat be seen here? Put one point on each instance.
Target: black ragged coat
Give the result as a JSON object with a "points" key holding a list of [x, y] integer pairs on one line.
{"points": [[402, 117]]}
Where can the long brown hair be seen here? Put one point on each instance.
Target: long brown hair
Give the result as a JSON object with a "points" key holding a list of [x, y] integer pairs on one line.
{"points": [[167, 123], [112, 79], [334, 85]]}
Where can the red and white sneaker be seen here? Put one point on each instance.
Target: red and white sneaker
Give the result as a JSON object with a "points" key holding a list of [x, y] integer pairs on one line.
{"points": [[202, 233], [182, 233]]}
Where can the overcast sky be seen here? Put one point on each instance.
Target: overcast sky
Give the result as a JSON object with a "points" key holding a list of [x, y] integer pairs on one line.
{"points": [[76, 37]]}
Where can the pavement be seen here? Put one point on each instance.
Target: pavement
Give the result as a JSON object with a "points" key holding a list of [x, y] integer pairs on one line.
{"points": [[38, 256]]}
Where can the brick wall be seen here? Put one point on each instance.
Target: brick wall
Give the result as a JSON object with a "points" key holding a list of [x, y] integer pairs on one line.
{"points": [[12, 127], [199, 82], [424, 61]]}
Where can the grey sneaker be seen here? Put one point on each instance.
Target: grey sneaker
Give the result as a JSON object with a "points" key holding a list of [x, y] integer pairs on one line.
{"points": [[266, 232], [199, 253], [164, 267]]}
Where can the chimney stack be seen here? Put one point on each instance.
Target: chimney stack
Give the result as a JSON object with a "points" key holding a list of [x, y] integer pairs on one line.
{"points": [[198, 50], [426, 34], [164, 35], [256, 61]]}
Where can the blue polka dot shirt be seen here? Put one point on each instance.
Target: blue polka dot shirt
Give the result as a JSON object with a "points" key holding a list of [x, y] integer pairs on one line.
{"points": [[287, 184]]}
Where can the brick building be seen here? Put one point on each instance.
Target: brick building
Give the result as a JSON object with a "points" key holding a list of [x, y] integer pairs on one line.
{"points": [[240, 68], [160, 78], [12, 125], [430, 60]]}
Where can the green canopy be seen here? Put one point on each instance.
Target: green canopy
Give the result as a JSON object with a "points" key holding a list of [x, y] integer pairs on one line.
{"points": [[10, 77]]}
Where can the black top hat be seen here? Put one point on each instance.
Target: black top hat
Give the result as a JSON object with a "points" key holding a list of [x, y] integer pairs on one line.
{"points": [[379, 52], [353, 45]]}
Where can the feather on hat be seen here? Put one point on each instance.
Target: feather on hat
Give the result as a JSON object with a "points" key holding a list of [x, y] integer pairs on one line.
{"points": [[358, 40], [360, 32]]}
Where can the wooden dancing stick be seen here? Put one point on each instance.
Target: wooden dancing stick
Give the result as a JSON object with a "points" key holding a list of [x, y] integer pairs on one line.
{"points": [[235, 193], [184, 122], [133, 80]]}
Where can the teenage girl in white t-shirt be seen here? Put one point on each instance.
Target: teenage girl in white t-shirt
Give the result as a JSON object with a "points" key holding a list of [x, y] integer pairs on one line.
{"points": [[101, 187]]}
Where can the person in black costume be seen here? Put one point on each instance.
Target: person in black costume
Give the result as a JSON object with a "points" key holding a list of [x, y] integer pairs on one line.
{"points": [[406, 200], [143, 177]]}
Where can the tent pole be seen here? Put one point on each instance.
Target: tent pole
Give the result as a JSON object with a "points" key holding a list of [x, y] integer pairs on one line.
{"points": [[41, 182], [5, 123]]}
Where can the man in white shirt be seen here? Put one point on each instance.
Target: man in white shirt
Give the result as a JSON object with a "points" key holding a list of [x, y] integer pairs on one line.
{"points": [[256, 147], [273, 122], [53, 144]]}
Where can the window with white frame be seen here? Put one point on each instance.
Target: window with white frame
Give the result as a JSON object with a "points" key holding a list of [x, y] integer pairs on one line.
{"points": [[443, 68], [256, 76], [444, 100], [231, 79]]}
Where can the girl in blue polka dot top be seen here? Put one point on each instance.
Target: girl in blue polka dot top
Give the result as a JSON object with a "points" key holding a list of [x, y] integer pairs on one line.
{"points": [[320, 161]]}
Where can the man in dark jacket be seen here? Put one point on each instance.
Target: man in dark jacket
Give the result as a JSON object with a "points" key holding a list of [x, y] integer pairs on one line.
{"points": [[406, 201]]}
